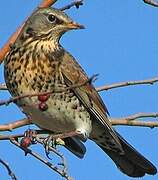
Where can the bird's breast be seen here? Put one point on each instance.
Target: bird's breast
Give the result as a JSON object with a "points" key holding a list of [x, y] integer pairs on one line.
{"points": [[29, 69], [30, 73], [63, 113]]}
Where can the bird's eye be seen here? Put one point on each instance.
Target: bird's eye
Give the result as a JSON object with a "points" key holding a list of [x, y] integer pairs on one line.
{"points": [[52, 18]]}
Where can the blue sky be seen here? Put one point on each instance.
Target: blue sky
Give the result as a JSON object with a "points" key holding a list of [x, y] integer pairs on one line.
{"points": [[120, 43]]}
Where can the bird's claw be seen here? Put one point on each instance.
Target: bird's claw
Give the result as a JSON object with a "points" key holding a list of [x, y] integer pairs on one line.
{"points": [[49, 141]]}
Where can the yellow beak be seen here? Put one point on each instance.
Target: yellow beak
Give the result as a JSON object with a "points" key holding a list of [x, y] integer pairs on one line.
{"points": [[74, 25]]}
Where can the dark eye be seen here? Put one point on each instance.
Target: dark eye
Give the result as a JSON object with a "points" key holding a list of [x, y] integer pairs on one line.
{"points": [[29, 30], [52, 18]]}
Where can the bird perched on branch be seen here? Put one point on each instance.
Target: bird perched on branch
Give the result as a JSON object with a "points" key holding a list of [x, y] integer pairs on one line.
{"points": [[38, 63]]}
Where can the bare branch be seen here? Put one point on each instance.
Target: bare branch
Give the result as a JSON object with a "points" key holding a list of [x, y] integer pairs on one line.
{"points": [[43, 160], [47, 3], [141, 115], [151, 2], [128, 83], [60, 90], [15, 136], [125, 122], [10, 172], [57, 153], [76, 3], [135, 120], [11, 40], [8, 137], [106, 87], [132, 120], [15, 124], [150, 81]]}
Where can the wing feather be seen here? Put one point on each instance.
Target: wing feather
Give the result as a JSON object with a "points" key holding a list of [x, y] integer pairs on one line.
{"points": [[72, 73]]}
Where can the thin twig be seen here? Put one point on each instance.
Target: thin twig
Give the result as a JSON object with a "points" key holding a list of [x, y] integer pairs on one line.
{"points": [[128, 120], [151, 2], [15, 124], [76, 3], [10, 172], [43, 160], [150, 81], [141, 115], [125, 122], [38, 135], [8, 137], [40, 139], [57, 153], [15, 136], [135, 120], [47, 3], [60, 90]]}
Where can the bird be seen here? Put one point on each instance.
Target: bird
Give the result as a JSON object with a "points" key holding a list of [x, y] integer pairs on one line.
{"points": [[38, 63]]}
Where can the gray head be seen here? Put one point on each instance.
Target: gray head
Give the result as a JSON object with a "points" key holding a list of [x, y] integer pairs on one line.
{"points": [[47, 23]]}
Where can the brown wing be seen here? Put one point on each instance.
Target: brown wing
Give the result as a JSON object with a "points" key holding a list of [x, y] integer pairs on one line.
{"points": [[74, 74]]}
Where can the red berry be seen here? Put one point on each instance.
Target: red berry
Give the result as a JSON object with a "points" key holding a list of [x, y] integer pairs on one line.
{"points": [[25, 142], [43, 98], [43, 106]]}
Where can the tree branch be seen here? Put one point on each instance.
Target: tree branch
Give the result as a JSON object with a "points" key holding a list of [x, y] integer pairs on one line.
{"points": [[76, 3], [15, 124], [135, 120], [150, 81], [61, 171], [141, 115], [10, 172], [132, 120], [15, 136], [125, 122], [64, 164], [57, 90], [47, 3], [151, 2]]}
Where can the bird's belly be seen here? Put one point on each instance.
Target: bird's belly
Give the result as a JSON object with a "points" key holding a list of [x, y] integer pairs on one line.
{"points": [[60, 116]]}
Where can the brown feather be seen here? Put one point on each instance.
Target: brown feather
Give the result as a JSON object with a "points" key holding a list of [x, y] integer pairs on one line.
{"points": [[74, 74]]}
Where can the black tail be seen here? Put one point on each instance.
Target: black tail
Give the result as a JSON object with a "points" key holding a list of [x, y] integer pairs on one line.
{"points": [[74, 145], [131, 162]]}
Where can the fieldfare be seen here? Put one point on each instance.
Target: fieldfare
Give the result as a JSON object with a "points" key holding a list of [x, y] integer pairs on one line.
{"points": [[38, 63]]}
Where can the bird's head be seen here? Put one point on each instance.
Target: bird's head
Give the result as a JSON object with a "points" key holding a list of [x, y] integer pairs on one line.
{"points": [[48, 23]]}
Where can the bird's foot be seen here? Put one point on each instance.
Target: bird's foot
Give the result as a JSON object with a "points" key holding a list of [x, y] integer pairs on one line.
{"points": [[49, 141], [56, 139]]}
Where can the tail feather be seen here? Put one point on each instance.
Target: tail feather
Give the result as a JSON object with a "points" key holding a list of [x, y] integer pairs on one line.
{"points": [[74, 145], [131, 162]]}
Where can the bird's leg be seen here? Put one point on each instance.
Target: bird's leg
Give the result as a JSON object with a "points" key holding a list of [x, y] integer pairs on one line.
{"points": [[49, 141], [56, 139]]}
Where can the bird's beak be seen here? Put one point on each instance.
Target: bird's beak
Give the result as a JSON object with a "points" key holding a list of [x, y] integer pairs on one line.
{"points": [[74, 25]]}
